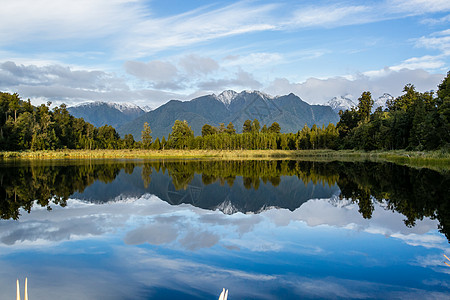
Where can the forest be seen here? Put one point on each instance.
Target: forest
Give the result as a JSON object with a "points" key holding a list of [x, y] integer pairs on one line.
{"points": [[412, 121]]}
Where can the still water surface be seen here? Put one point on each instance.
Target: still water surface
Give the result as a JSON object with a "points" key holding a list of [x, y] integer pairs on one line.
{"points": [[185, 229]]}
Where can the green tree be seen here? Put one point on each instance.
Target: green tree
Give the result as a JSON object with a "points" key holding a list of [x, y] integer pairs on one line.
{"points": [[222, 128], [64, 126], [156, 145], [181, 134], [107, 137], [365, 105], [208, 130], [146, 136], [128, 141], [274, 128], [14, 104], [444, 109], [230, 129], [256, 126], [247, 127], [264, 129], [405, 101]]}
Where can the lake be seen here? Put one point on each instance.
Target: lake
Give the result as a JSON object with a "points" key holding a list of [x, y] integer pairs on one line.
{"points": [[143, 229]]}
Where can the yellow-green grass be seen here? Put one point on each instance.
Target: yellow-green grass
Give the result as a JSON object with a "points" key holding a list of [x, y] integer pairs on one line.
{"points": [[436, 159]]}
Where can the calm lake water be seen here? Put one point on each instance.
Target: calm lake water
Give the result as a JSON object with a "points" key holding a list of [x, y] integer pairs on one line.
{"points": [[130, 229]]}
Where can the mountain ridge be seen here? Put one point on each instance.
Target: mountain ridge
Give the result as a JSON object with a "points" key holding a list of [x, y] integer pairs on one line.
{"points": [[290, 111], [101, 113], [345, 102]]}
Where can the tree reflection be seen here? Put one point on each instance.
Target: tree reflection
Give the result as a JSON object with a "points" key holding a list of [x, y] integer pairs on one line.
{"points": [[415, 193]]}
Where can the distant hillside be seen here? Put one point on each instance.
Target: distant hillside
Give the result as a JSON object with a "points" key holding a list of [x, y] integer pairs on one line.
{"points": [[101, 113], [289, 111], [345, 102]]}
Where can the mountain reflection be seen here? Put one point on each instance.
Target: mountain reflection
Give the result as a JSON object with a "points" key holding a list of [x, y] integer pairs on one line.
{"points": [[230, 186]]}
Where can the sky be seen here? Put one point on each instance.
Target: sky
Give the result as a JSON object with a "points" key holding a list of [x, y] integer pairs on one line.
{"points": [[149, 52]]}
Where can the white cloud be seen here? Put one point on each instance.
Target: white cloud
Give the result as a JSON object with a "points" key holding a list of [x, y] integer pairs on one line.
{"points": [[130, 29], [438, 41], [438, 21], [65, 19], [157, 71], [253, 60], [12, 75], [152, 34], [241, 79], [62, 84], [195, 64], [330, 16], [417, 7], [427, 62], [387, 80]]}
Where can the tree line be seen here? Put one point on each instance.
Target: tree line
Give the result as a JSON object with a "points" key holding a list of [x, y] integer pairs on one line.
{"points": [[27, 127], [412, 121]]}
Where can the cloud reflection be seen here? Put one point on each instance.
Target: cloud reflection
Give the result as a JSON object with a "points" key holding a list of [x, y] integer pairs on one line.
{"points": [[150, 220], [222, 250]]}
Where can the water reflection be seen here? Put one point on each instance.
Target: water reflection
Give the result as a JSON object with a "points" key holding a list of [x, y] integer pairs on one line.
{"points": [[277, 252], [231, 186], [339, 230]]}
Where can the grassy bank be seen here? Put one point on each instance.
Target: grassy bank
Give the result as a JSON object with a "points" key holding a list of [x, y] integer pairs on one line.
{"points": [[172, 153], [436, 160]]}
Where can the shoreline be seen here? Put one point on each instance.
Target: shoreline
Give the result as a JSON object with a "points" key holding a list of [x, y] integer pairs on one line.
{"points": [[429, 159]]}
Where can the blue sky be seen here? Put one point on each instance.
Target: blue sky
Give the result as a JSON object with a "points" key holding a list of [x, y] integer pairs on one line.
{"points": [[149, 52]]}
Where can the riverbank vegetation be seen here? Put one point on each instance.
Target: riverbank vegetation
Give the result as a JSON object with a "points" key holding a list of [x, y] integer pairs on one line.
{"points": [[437, 160]]}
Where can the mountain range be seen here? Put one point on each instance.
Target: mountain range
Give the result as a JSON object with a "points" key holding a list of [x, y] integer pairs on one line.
{"points": [[291, 112], [101, 113], [345, 102]]}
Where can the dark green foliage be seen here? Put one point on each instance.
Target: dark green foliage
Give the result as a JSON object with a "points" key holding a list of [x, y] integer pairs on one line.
{"points": [[108, 138], [146, 136], [365, 105], [264, 129], [247, 127], [274, 128], [24, 126], [156, 145], [413, 121], [230, 129], [208, 130], [256, 126], [128, 141], [181, 136]]}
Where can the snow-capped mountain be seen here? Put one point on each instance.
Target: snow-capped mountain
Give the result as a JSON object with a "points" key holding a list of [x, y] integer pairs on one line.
{"points": [[345, 102], [289, 111], [226, 97], [381, 101], [124, 107], [146, 108], [100, 113], [341, 103]]}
